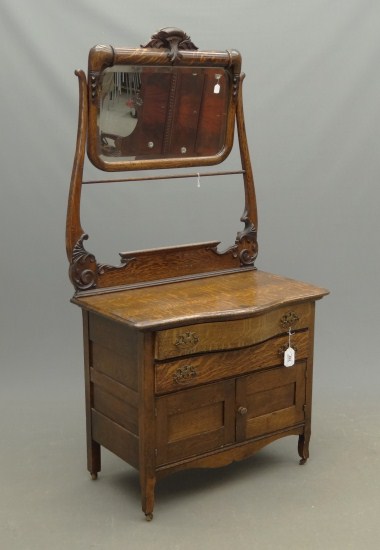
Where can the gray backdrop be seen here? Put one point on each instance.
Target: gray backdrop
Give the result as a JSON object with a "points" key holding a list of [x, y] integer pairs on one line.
{"points": [[312, 113]]}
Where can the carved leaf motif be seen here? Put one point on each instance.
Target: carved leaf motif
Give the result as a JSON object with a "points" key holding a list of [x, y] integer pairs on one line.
{"points": [[248, 237], [83, 269], [245, 247], [172, 39]]}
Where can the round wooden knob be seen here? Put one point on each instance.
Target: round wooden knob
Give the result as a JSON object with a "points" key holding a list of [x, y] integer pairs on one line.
{"points": [[242, 410]]}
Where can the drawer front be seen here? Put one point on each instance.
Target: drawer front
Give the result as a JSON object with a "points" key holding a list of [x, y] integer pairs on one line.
{"points": [[192, 371], [231, 334]]}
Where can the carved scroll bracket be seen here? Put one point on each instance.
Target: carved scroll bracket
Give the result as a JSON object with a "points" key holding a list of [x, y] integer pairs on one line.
{"points": [[245, 247], [246, 242], [83, 269]]}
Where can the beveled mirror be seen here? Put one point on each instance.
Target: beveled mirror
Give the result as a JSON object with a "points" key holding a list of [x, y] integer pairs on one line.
{"points": [[162, 112], [146, 107]]}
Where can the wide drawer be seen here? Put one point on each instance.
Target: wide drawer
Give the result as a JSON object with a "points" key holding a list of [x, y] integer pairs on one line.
{"points": [[234, 334], [193, 371]]}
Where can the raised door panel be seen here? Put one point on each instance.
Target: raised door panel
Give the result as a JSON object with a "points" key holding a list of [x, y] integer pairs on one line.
{"points": [[195, 421], [270, 401]]}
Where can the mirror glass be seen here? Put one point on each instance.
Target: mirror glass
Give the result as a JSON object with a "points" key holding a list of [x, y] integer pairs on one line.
{"points": [[148, 112]]}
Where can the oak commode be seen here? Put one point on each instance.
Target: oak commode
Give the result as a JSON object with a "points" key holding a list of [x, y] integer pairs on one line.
{"points": [[185, 347]]}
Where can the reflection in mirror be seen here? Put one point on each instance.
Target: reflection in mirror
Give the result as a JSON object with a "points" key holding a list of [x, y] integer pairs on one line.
{"points": [[162, 112], [119, 103]]}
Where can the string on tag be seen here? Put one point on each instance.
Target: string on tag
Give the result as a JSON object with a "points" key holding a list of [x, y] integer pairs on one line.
{"points": [[289, 335], [289, 354], [198, 179]]}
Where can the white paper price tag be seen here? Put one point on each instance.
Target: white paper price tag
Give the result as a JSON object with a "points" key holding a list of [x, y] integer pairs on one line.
{"points": [[289, 357], [217, 88]]}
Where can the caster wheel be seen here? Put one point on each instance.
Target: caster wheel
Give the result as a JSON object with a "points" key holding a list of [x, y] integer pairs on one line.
{"points": [[94, 476], [149, 517]]}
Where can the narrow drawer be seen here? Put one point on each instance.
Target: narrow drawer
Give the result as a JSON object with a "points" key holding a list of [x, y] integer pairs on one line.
{"points": [[239, 333], [193, 371]]}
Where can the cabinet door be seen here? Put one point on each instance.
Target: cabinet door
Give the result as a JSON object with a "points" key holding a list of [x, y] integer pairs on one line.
{"points": [[270, 401], [195, 421]]}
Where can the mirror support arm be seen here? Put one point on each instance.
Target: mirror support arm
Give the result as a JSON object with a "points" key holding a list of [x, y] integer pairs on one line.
{"points": [[83, 267], [249, 217], [73, 225]]}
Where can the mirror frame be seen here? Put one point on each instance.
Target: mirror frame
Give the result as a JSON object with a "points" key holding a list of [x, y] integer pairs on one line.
{"points": [[103, 57], [164, 265]]}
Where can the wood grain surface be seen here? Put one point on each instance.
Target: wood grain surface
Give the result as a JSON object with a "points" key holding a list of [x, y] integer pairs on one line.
{"points": [[231, 296]]}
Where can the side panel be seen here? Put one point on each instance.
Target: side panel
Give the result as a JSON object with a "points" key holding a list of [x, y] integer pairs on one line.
{"points": [[113, 372]]}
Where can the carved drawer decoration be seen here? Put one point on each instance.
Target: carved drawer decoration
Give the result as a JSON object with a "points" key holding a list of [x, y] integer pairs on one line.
{"points": [[188, 339], [289, 320], [205, 368], [184, 374]]}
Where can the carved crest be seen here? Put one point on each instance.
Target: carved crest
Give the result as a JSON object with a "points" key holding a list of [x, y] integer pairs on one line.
{"points": [[172, 39]]}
